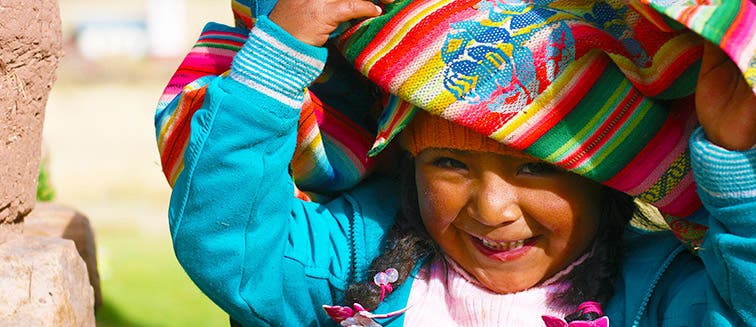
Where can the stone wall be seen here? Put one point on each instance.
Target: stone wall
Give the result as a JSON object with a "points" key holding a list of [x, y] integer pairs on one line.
{"points": [[44, 281], [30, 48]]}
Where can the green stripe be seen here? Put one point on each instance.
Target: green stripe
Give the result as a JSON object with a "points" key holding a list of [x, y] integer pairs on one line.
{"points": [[582, 119], [217, 46], [634, 134], [601, 115], [717, 25], [711, 27], [683, 85], [363, 36]]}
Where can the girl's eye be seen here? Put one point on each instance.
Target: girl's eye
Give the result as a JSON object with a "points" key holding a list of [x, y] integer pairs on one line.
{"points": [[446, 162], [536, 168]]}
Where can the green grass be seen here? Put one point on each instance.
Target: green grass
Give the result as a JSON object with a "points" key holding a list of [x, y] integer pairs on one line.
{"points": [[143, 284]]}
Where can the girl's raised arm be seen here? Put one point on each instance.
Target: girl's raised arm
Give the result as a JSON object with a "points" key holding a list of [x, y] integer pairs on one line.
{"points": [[723, 160], [233, 211]]}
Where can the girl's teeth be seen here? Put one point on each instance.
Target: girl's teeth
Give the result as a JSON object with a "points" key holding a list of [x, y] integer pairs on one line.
{"points": [[503, 246]]}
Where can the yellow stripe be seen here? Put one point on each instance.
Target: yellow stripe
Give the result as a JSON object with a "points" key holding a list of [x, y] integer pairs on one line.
{"points": [[421, 80], [667, 55], [176, 172], [616, 141], [239, 7], [399, 35], [441, 102], [552, 94], [589, 127]]}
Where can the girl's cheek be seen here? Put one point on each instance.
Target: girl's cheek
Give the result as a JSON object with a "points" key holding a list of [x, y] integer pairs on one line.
{"points": [[435, 208]]}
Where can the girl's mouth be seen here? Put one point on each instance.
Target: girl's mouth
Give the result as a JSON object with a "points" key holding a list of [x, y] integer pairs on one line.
{"points": [[503, 251]]}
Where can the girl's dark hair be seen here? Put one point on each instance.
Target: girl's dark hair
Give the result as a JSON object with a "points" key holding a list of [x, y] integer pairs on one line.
{"points": [[408, 242]]}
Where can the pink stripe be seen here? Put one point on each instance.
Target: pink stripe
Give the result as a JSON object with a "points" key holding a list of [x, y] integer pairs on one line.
{"points": [[359, 160], [352, 138], [654, 159], [214, 32], [744, 30], [396, 67], [209, 51], [737, 38], [685, 202], [597, 140], [673, 197]]}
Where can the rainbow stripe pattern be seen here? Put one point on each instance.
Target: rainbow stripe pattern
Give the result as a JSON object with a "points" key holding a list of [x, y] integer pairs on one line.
{"points": [[575, 83], [332, 146], [603, 88]]}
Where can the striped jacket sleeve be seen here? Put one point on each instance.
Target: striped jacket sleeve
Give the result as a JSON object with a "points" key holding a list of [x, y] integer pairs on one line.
{"points": [[333, 140], [232, 214], [209, 58]]}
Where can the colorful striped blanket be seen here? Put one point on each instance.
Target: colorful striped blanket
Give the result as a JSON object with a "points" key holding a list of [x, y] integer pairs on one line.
{"points": [[602, 88]]}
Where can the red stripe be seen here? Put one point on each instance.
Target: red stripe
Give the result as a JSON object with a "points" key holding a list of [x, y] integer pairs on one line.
{"points": [[605, 131], [333, 123], [593, 39], [589, 38], [685, 204], [482, 120], [176, 141], [424, 32], [564, 105], [658, 148], [672, 72], [245, 19], [386, 32], [399, 112]]}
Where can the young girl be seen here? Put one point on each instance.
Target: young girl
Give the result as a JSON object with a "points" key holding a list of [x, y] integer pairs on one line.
{"points": [[483, 234]]}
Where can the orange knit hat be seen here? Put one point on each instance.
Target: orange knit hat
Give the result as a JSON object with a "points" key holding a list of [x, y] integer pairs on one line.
{"points": [[429, 131]]}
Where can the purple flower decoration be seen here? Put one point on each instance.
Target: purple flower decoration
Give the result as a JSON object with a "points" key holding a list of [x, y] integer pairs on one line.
{"points": [[348, 317], [583, 308], [559, 322]]}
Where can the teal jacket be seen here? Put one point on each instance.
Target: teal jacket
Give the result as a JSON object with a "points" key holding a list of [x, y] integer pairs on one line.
{"points": [[268, 258]]}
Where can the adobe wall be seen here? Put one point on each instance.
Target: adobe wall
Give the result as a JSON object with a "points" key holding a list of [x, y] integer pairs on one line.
{"points": [[30, 48], [44, 280]]}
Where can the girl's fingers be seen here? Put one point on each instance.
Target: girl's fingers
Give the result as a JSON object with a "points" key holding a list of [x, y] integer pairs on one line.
{"points": [[346, 10], [312, 21], [725, 103]]}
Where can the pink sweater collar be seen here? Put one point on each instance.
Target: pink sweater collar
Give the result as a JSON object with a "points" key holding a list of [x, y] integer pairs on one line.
{"points": [[450, 297]]}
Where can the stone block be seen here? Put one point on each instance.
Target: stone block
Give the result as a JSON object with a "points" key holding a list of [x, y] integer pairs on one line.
{"points": [[44, 283], [10, 231], [30, 48], [56, 220]]}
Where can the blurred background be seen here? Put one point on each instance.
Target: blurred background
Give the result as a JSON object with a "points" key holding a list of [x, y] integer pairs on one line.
{"points": [[99, 145]]}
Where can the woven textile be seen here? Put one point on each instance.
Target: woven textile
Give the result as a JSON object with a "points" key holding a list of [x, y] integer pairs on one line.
{"points": [[587, 85], [334, 132], [603, 88]]}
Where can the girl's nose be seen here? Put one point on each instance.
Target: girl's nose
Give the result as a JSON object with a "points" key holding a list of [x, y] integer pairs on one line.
{"points": [[495, 201]]}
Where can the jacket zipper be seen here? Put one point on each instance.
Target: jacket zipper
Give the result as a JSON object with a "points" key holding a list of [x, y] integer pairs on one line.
{"points": [[652, 288]]}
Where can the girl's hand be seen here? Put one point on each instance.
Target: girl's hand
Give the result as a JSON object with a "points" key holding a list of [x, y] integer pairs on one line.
{"points": [[725, 103], [312, 21]]}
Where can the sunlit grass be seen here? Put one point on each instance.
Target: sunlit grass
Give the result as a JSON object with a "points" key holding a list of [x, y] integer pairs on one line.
{"points": [[143, 285]]}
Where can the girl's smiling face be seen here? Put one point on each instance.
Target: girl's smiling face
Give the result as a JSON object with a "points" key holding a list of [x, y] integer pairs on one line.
{"points": [[509, 220]]}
